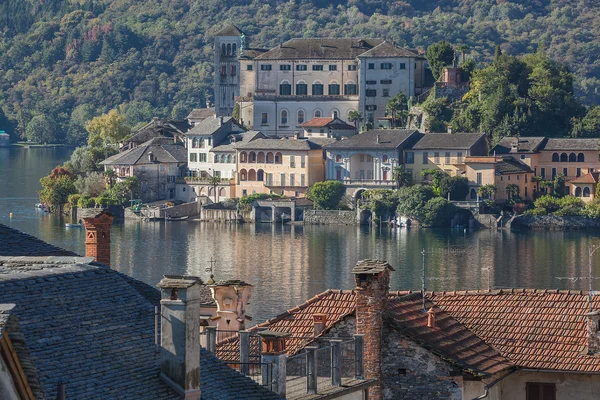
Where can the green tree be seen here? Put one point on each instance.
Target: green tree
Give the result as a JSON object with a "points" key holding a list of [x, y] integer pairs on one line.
{"points": [[487, 191], [396, 107], [412, 199], [86, 159], [401, 176], [437, 212], [40, 129], [56, 188], [107, 129], [91, 185], [434, 176], [81, 115], [214, 182], [439, 114], [456, 186], [326, 195], [355, 117], [439, 55], [512, 191], [589, 125]]}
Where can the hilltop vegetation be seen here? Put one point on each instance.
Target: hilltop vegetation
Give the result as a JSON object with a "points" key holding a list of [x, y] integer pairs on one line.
{"points": [[65, 61]]}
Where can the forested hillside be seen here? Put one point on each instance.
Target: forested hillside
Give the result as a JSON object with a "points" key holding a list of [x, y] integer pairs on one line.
{"points": [[65, 61]]}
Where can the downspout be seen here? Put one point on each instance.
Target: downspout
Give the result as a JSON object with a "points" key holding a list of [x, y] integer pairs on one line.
{"points": [[492, 384]]}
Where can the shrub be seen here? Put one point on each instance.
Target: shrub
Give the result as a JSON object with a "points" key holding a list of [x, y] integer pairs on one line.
{"points": [[326, 195], [592, 210], [536, 212], [569, 211], [548, 203], [457, 186], [571, 201], [74, 199], [519, 208], [85, 202], [412, 199], [437, 212]]}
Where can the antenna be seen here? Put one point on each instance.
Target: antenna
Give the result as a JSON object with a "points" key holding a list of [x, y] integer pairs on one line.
{"points": [[590, 278], [211, 270]]}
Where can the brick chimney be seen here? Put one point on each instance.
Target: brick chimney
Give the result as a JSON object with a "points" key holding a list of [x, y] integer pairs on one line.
{"points": [[231, 297], [97, 224], [593, 332], [320, 322], [273, 352], [372, 278], [180, 334]]}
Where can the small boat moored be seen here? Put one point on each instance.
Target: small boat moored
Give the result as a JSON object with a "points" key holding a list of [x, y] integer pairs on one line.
{"points": [[176, 218], [73, 225]]}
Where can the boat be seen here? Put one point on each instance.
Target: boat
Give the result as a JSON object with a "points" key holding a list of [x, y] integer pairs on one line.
{"points": [[176, 218], [73, 225]]}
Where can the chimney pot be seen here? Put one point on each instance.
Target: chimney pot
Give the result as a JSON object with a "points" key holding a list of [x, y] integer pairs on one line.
{"points": [[449, 129], [431, 318], [320, 321], [150, 156], [97, 223], [273, 343], [593, 330]]}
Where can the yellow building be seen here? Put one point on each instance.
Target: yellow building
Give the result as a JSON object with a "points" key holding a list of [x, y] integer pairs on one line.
{"points": [[282, 166], [445, 152], [500, 172], [585, 186]]}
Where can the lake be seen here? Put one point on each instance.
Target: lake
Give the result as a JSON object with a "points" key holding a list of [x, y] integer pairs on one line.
{"points": [[288, 264]]}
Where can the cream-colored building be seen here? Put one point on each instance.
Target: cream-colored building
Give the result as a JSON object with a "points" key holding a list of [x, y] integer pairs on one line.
{"points": [[445, 152], [301, 79], [585, 186], [282, 166], [500, 172]]}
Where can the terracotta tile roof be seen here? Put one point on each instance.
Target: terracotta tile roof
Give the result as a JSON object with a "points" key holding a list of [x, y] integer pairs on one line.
{"points": [[537, 329], [482, 160], [299, 321], [317, 122], [448, 338], [592, 177]]}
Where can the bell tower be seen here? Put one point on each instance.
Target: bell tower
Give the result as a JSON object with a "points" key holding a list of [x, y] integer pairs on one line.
{"points": [[227, 47]]}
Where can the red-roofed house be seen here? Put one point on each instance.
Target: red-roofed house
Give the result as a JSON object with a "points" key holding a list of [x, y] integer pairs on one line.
{"points": [[585, 186], [331, 127], [496, 344]]}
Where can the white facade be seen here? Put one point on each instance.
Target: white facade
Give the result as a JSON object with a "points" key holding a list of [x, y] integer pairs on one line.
{"points": [[202, 161], [353, 166]]}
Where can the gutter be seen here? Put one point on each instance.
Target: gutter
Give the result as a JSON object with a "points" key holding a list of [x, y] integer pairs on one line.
{"points": [[494, 383]]}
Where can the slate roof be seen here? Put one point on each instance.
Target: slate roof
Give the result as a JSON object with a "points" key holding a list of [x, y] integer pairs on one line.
{"points": [[526, 144], [388, 139], [230, 30], [448, 339], [591, 177], [167, 129], [387, 49], [558, 144], [459, 141], [27, 245], [212, 126], [163, 150], [252, 53], [281, 144], [85, 325], [320, 48], [233, 141], [509, 165], [201, 113]]}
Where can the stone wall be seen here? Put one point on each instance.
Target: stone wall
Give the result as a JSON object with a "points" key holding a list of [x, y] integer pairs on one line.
{"points": [[185, 209], [219, 215], [554, 222], [330, 217], [489, 221]]}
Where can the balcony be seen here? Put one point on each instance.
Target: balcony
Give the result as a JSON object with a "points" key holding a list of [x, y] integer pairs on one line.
{"points": [[276, 97], [199, 180], [369, 182]]}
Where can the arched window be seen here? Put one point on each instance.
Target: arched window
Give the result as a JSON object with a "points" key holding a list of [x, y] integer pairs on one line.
{"points": [[333, 88], [285, 88], [284, 117], [300, 117], [195, 143], [580, 157], [473, 194], [222, 192], [317, 88], [555, 157], [223, 49], [201, 191], [243, 156], [260, 175], [578, 192], [260, 157], [252, 156], [243, 175], [564, 157], [269, 158], [384, 159], [338, 158], [586, 192], [252, 175], [278, 158], [233, 49], [572, 157], [216, 158], [229, 158], [228, 49], [317, 113], [201, 142], [335, 114], [223, 158], [301, 88]]}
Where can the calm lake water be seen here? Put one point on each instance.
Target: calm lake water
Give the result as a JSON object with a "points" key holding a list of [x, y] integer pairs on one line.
{"points": [[289, 264]]}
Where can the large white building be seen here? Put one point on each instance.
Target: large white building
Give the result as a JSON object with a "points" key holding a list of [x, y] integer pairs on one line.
{"points": [[284, 87]]}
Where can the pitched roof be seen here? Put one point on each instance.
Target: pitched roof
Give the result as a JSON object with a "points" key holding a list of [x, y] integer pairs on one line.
{"points": [[566, 144], [387, 49], [526, 144], [482, 160], [27, 245], [281, 144], [448, 338], [230, 30], [591, 177], [509, 165], [163, 150], [213, 125], [250, 53], [233, 141], [322, 122], [201, 113], [320, 48], [158, 128], [93, 328], [460, 141], [375, 139]]}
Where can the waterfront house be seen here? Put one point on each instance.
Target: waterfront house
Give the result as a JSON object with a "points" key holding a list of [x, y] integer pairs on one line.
{"points": [[71, 327], [585, 186], [486, 344], [445, 152], [156, 163], [367, 160], [286, 166], [158, 128], [548, 157], [500, 171]]}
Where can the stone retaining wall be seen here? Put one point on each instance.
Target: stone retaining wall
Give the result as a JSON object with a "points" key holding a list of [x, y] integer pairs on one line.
{"points": [[554, 222], [330, 217]]}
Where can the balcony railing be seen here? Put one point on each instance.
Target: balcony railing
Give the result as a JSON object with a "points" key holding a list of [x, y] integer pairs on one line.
{"points": [[198, 180], [276, 97], [369, 182]]}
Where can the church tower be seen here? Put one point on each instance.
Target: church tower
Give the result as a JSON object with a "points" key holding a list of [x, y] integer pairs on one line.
{"points": [[227, 48]]}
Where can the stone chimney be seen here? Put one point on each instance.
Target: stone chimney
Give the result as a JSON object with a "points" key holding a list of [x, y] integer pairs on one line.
{"points": [[150, 156], [180, 334], [431, 318], [372, 278], [514, 145], [378, 140], [97, 224], [273, 352], [320, 322], [593, 332], [231, 298], [221, 121]]}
